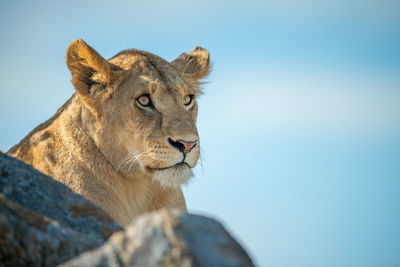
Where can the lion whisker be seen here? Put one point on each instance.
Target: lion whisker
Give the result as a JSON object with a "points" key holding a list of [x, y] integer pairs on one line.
{"points": [[124, 161], [137, 157], [201, 159]]}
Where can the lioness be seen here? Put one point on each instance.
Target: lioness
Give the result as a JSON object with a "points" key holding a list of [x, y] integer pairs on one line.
{"points": [[127, 139]]}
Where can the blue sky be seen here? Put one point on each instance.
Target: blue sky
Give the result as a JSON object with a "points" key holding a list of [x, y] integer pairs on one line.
{"points": [[299, 124]]}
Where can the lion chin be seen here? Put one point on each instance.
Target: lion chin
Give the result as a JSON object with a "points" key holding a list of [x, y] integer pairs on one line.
{"points": [[173, 176]]}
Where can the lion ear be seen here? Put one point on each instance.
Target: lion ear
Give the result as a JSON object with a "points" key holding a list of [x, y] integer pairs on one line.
{"points": [[194, 65], [87, 68]]}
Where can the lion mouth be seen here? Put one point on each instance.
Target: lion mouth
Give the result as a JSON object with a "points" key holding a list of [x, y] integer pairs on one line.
{"points": [[175, 166]]}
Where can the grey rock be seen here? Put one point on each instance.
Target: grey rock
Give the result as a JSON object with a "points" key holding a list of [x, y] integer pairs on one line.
{"points": [[168, 238], [29, 239], [33, 190]]}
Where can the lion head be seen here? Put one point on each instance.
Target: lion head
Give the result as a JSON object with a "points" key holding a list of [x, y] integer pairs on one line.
{"points": [[141, 110]]}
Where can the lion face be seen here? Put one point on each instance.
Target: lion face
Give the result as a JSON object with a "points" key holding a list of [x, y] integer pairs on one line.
{"points": [[142, 109], [158, 129]]}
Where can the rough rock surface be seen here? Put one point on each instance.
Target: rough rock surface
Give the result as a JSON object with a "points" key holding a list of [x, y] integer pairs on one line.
{"points": [[29, 239], [168, 238], [33, 190]]}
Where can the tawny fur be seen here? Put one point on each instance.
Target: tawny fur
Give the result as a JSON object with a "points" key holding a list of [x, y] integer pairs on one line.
{"points": [[102, 144]]}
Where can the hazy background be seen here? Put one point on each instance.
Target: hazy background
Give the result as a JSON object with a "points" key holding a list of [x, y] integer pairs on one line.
{"points": [[300, 124]]}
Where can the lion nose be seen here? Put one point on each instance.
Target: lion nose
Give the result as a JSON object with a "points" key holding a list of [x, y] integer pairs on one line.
{"points": [[183, 146]]}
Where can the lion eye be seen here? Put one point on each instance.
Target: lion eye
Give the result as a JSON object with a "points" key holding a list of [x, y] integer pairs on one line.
{"points": [[144, 100], [187, 100]]}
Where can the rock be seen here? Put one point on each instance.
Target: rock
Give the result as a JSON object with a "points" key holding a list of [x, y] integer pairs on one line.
{"points": [[168, 238], [29, 239], [34, 190]]}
